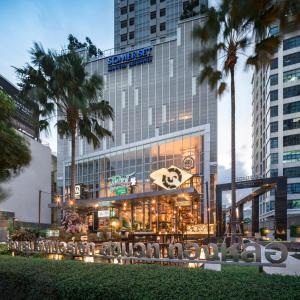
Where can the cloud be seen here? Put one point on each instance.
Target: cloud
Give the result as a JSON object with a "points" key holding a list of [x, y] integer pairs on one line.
{"points": [[224, 176]]}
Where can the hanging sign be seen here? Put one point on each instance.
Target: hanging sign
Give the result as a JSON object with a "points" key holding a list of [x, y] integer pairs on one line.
{"points": [[170, 178], [77, 191]]}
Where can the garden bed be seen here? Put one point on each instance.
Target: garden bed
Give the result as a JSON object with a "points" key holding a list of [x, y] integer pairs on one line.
{"points": [[37, 278]]}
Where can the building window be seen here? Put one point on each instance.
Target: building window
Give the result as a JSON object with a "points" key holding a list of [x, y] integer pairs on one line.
{"points": [[293, 188], [274, 79], [291, 59], [291, 91], [274, 95], [273, 172], [124, 10], [274, 30], [274, 142], [291, 140], [274, 126], [123, 99], [131, 35], [153, 15], [131, 7], [292, 172], [291, 76], [290, 108], [274, 111], [291, 156], [162, 12], [131, 21], [291, 42], [152, 2], [162, 26], [293, 204], [124, 24], [291, 124], [153, 29], [274, 64], [123, 37], [274, 158], [162, 1]]}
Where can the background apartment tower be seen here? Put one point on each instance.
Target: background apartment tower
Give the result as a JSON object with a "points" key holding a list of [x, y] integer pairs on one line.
{"points": [[276, 125], [140, 21]]}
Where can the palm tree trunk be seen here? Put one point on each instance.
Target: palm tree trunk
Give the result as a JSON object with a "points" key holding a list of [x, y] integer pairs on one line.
{"points": [[73, 166], [233, 164]]}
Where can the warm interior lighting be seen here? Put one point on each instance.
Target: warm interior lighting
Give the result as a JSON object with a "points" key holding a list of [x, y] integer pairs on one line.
{"points": [[71, 202]]}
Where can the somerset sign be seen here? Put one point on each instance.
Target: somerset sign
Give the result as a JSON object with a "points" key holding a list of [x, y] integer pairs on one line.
{"points": [[129, 59], [273, 255]]}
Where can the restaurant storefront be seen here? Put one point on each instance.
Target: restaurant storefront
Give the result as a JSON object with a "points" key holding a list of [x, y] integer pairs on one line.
{"points": [[156, 187]]}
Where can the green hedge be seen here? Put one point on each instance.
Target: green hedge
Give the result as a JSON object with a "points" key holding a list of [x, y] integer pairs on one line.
{"points": [[36, 278]]}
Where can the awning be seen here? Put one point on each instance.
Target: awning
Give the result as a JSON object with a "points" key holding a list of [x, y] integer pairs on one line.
{"points": [[134, 196]]}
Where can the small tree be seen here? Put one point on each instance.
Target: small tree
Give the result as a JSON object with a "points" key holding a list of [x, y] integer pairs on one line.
{"points": [[15, 153], [59, 83]]}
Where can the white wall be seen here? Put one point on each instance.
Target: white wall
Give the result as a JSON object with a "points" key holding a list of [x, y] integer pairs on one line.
{"points": [[23, 190]]}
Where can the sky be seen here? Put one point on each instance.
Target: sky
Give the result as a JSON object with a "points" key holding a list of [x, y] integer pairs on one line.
{"points": [[51, 21]]}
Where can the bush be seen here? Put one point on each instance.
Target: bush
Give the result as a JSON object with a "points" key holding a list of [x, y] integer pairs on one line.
{"points": [[4, 249], [23, 234], [29, 278]]}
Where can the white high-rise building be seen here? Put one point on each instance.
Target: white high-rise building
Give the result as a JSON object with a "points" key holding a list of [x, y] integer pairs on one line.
{"points": [[276, 125]]}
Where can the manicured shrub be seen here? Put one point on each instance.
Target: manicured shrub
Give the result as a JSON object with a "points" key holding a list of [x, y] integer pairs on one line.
{"points": [[35, 278]]}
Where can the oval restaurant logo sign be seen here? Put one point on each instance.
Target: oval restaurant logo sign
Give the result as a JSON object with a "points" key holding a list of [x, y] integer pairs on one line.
{"points": [[170, 178]]}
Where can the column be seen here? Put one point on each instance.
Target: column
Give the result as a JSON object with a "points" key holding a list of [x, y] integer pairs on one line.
{"points": [[255, 215]]}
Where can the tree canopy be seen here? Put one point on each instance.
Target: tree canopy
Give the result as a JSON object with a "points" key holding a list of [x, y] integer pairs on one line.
{"points": [[15, 153]]}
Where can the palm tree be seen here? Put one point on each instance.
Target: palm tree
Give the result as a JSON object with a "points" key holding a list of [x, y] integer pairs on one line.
{"points": [[54, 83], [225, 35]]}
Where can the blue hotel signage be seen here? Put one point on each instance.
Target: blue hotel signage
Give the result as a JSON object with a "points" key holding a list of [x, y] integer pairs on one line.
{"points": [[129, 59]]}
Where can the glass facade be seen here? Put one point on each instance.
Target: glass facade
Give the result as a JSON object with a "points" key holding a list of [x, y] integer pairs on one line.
{"points": [[94, 174]]}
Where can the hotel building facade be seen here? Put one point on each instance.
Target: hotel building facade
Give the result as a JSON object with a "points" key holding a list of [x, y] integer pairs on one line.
{"points": [[276, 125], [165, 125]]}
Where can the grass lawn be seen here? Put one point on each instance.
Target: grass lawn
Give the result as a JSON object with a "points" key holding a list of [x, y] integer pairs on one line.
{"points": [[38, 278]]}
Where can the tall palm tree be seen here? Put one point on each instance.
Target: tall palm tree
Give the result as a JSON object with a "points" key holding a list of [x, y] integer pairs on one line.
{"points": [[54, 83], [225, 35]]}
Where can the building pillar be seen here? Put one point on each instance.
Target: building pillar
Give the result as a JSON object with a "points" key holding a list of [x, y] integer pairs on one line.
{"points": [[255, 215], [280, 222], [219, 215], [241, 217]]}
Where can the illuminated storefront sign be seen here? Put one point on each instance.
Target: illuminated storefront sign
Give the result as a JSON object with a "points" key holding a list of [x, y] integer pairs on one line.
{"points": [[188, 163], [120, 184], [77, 191], [103, 213], [129, 59], [200, 229], [151, 252], [170, 178]]}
